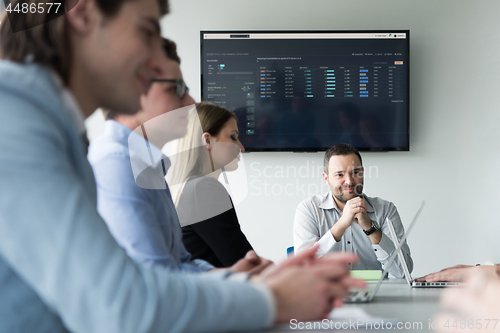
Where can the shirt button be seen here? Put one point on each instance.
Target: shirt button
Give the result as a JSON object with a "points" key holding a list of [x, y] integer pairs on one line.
{"points": [[375, 249], [348, 242]]}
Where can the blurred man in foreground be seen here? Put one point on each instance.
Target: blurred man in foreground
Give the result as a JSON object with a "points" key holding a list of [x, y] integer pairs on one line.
{"points": [[58, 261]]}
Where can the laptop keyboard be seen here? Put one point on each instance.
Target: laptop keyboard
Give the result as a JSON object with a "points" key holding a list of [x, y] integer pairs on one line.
{"points": [[436, 284], [357, 296]]}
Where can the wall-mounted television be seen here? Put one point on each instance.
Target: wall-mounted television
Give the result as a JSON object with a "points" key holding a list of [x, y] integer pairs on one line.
{"points": [[309, 90]]}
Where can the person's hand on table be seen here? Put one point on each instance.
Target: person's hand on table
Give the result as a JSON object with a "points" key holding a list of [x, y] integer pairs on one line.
{"points": [[308, 288], [457, 266], [251, 264], [446, 275], [474, 307], [455, 273]]}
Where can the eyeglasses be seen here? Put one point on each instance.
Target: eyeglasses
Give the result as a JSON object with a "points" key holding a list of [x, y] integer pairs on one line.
{"points": [[182, 89]]}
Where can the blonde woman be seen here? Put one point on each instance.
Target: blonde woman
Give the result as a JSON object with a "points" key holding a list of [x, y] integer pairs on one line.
{"points": [[210, 227]]}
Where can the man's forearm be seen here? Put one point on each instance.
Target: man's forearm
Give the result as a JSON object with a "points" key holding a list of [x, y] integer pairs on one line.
{"points": [[376, 237], [338, 230]]}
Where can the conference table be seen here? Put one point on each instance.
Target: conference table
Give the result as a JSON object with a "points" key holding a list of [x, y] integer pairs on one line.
{"points": [[401, 307]]}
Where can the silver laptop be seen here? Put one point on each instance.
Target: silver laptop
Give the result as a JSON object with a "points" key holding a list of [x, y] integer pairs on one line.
{"points": [[408, 277], [365, 296]]}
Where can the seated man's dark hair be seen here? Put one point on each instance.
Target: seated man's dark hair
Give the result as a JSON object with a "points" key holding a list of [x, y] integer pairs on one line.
{"points": [[342, 149]]}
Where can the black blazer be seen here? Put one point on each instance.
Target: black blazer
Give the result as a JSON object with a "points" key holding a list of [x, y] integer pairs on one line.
{"points": [[218, 239]]}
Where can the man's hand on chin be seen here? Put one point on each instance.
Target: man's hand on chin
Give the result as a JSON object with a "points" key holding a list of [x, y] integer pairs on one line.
{"points": [[358, 206], [363, 220]]}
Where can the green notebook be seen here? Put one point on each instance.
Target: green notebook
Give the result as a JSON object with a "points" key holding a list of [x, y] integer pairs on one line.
{"points": [[366, 275]]}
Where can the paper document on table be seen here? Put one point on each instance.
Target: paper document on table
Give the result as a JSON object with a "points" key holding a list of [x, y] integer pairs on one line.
{"points": [[347, 317], [351, 312]]}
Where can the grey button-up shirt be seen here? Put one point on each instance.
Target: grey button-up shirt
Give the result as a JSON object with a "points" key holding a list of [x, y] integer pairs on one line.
{"points": [[315, 216]]}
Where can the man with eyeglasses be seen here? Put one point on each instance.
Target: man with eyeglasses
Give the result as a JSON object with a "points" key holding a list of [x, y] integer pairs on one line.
{"points": [[129, 168], [60, 269]]}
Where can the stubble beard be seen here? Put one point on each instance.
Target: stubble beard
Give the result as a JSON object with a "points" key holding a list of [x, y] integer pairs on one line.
{"points": [[339, 193]]}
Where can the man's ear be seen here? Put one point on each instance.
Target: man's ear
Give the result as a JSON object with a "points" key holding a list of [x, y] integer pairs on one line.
{"points": [[325, 177], [82, 17]]}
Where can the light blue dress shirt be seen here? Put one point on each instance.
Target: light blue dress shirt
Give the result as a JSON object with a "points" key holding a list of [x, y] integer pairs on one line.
{"points": [[60, 268], [315, 216], [143, 221]]}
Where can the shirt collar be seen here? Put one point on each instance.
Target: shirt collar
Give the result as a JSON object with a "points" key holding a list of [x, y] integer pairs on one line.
{"points": [[145, 158], [138, 147], [329, 203]]}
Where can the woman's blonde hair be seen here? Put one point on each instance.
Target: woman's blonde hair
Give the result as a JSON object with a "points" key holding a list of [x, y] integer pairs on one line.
{"points": [[192, 158]]}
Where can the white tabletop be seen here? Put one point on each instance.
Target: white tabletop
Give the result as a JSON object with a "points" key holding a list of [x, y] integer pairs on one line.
{"points": [[404, 305]]}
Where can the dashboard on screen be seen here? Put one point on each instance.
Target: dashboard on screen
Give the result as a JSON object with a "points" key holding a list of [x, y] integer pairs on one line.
{"points": [[309, 90]]}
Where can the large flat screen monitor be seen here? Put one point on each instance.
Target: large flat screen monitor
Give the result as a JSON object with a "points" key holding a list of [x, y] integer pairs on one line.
{"points": [[309, 90]]}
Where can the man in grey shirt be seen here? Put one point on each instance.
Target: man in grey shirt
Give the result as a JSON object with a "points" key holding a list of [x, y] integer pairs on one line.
{"points": [[345, 219]]}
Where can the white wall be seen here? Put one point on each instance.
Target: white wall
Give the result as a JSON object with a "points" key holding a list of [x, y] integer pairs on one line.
{"points": [[453, 161]]}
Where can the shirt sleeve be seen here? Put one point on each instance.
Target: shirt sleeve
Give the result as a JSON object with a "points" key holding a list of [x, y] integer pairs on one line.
{"points": [[386, 247], [144, 232], [53, 238], [306, 231], [187, 264]]}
